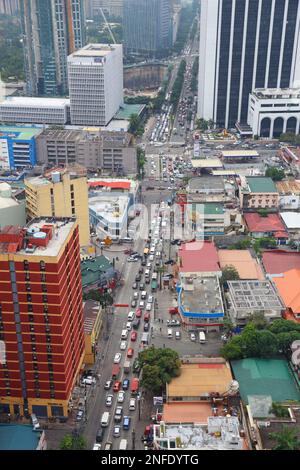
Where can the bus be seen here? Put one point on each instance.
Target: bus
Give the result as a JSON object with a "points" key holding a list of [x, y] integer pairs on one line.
{"points": [[134, 388]]}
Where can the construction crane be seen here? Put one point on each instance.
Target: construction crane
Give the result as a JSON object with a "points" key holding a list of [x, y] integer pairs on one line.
{"points": [[107, 25]]}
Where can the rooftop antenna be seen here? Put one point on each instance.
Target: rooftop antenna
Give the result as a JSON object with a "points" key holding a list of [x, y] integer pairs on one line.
{"points": [[107, 25]]}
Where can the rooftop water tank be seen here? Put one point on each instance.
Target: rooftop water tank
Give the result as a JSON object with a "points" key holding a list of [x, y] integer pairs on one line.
{"points": [[40, 235], [55, 175], [32, 230]]}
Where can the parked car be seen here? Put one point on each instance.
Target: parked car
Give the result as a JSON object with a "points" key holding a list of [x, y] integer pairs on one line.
{"points": [[109, 400], [173, 323], [193, 337], [79, 415]]}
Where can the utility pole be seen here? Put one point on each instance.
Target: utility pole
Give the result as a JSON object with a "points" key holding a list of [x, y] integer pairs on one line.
{"points": [[133, 439]]}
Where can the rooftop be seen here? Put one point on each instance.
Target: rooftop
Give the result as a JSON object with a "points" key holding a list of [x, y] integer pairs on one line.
{"points": [[271, 223], [90, 313], [242, 261], [186, 412], [277, 262], [265, 377], [240, 153], [18, 437], [261, 184], [127, 110], [291, 220], [19, 133], [96, 50], [207, 163], [278, 93], [254, 296], [202, 298], [288, 187], [211, 208], [206, 184], [93, 269], [22, 101], [110, 184], [109, 206], [198, 257], [289, 289], [201, 379]]}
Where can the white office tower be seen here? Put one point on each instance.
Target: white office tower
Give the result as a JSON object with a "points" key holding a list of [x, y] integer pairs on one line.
{"points": [[95, 84], [245, 45]]}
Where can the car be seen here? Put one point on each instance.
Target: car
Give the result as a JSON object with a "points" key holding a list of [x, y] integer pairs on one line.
{"points": [[136, 365], [134, 285], [193, 337], [147, 317], [117, 386], [142, 286], [118, 414], [138, 313], [121, 396], [136, 295], [79, 416], [126, 422], [133, 336], [117, 431], [132, 259], [108, 384], [150, 299], [133, 303], [136, 323], [146, 327], [149, 307], [173, 323], [130, 316], [170, 261], [142, 304], [173, 310], [177, 335], [123, 345], [117, 358], [109, 400], [97, 446], [143, 263], [138, 278], [141, 270], [130, 352], [108, 445], [125, 384]]}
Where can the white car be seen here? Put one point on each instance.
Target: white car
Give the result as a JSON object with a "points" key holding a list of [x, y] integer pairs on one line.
{"points": [[142, 304], [117, 431], [151, 257], [109, 400], [150, 299], [148, 307], [117, 358], [193, 337], [97, 446], [123, 345], [121, 397]]}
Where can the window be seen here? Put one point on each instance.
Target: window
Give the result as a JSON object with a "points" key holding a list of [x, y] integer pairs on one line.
{"points": [[42, 265], [45, 298], [43, 277], [29, 298], [30, 308], [44, 288], [26, 265]]}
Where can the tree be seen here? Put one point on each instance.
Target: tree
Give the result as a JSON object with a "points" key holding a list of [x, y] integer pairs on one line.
{"points": [[286, 439], [285, 340], [258, 320], [275, 174], [105, 299], [229, 273], [283, 326], [263, 212], [279, 411], [135, 126], [141, 159], [163, 362], [233, 349], [151, 379], [70, 442], [201, 124]]}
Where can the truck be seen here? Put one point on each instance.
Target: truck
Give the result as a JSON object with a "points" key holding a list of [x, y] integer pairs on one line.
{"points": [[134, 388], [127, 367], [115, 371]]}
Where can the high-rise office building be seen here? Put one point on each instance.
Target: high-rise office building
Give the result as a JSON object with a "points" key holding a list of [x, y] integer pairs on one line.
{"points": [[244, 45], [52, 30], [9, 7], [95, 84], [147, 26], [41, 316]]}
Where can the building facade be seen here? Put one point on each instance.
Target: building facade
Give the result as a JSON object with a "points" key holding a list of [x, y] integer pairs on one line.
{"points": [[21, 110], [259, 193], [60, 193], [41, 317], [147, 26], [12, 210], [51, 31], [244, 45], [95, 84], [272, 112], [18, 147], [9, 7]]}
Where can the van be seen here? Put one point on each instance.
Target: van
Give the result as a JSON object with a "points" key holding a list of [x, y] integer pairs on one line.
{"points": [[202, 338], [130, 316], [132, 404], [128, 326], [124, 334], [170, 333], [123, 444], [105, 419]]}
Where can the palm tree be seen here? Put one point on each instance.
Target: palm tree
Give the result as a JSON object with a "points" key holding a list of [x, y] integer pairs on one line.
{"points": [[286, 439]]}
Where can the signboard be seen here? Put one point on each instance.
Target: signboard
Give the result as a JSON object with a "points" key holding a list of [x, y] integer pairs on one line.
{"points": [[158, 401]]}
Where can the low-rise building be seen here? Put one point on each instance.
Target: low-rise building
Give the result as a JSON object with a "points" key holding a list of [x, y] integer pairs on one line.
{"points": [[278, 262], [239, 156], [291, 221], [93, 320], [109, 213], [12, 210], [246, 266], [288, 286], [270, 226], [29, 110], [207, 219], [289, 194], [258, 193], [97, 273], [291, 156], [206, 189], [246, 298], [18, 147]]}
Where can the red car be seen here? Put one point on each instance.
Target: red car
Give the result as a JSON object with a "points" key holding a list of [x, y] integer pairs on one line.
{"points": [[130, 352], [133, 336], [128, 252], [173, 311], [147, 317], [138, 313], [117, 386]]}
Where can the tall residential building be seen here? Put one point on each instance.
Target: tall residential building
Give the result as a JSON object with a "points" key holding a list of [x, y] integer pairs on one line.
{"points": [[52, 31], [60, 193], [41, 316], [110, 7], [244, 45], [95, 84], [147, 26], [9, 7]]}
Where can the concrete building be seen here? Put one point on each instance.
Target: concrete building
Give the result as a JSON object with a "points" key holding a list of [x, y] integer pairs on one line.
{"points": [[93, 321], [289, 194], [272, 112], [147, 27], [288, 286], [206, 189], [246, 298], [247, 267], [60, 193], [18, 147], [291, 156], [245, 45], [291, 221], [110, 8], [9, 7], [51, 31], [41, 316], [93, 148], [258, 193], [12, 210], [207, 219], [269, 226], [109, 213], [21, 110], [95, 84]]}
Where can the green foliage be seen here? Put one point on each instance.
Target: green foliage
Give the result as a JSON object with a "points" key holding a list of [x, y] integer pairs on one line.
{"points": [[159, 366], [11, 49], [98, 32], [264, 242], [259, 321], [290, 138], [194, 79], [201, 124], [141, 159], [105, 299], [135, 126], [242, 244], [283, 326], [186, 18], [275, 174], [177, 87], [263, 212], [137, 100], [233, 349], [229, 273], [279, 411], [286, 439], [70, 442]]}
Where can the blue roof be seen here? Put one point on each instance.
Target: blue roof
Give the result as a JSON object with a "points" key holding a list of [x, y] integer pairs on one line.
{"points": [[18, 437]]}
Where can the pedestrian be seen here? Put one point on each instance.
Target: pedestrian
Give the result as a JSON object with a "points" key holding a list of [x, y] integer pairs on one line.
{"points": [[162, 320], [160, 329]]}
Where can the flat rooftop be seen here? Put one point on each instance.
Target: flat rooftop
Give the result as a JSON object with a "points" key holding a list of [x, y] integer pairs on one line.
{"points": [[200, 379], [27, 101], [127, 110], [243, 262], [18, 437], [198, 257], [109, 206], [205, 298], [254, 295], [92, 268], [206, 184], [240, 153], [185, 412], [265, 377], [261, 184], [20, 133], [207, 163], [96, 50], [291, 220], [276, 93]]}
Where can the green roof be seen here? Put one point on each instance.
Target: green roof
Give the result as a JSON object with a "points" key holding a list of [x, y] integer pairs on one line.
{"points": [[128, 109], [22, 133], [261, 185], [271, 377], [211, 208], [92, 270], [18, 437]]}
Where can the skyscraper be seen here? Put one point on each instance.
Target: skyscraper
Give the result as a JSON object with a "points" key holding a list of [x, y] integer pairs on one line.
{"points": [[9, 7], [52, 30], [41, 316], [147, 26], [245, 44], [96, 84]]}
